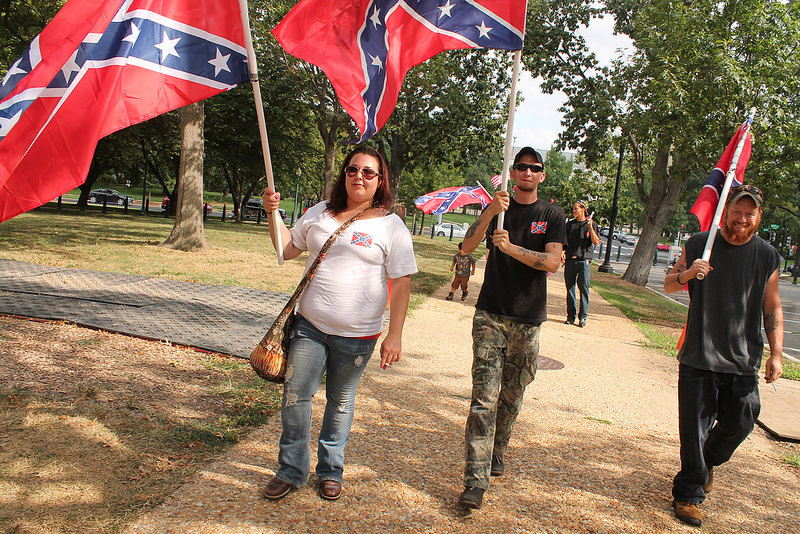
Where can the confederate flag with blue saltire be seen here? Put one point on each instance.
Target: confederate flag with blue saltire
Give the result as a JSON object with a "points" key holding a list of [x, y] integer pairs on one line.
{"points": [[450, 198], [706, 203], [99, 66], [366, 47]]}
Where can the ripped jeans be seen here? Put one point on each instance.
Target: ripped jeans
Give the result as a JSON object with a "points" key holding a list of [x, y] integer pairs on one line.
{"points": [[312, 354]]}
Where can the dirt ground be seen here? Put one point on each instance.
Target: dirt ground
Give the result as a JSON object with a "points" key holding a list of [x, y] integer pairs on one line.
{"points": [[594, 450], [95, 427]]}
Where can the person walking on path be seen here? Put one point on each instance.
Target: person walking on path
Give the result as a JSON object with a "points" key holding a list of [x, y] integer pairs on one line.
{"points": [[718, 399], [464, 265], [511, 307], [340, 315], [581, 240]]}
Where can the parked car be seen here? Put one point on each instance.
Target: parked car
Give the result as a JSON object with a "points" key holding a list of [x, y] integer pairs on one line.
{"points": [[206, 206], [459, 230], [111, 196], [662, 247], [256, 205], [625, 238]]}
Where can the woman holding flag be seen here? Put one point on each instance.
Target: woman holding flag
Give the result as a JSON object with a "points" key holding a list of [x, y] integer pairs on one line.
{"points": [[340, 314]]}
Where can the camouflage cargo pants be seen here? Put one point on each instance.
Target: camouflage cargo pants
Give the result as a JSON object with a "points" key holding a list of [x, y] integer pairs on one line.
{"points": [[504, 362]]}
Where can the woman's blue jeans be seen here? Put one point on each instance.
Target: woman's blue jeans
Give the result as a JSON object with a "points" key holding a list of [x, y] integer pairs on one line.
{"points": [[312, 354]]}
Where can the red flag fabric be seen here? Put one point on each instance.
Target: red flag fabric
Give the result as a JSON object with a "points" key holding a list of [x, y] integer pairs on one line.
{"points": [[450, 198], [706, 203], [365, 47], [98, 67]]}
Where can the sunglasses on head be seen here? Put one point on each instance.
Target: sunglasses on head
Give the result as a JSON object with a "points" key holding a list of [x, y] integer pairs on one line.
{"points": [[522, 167], [366, 172], [747, 189]]}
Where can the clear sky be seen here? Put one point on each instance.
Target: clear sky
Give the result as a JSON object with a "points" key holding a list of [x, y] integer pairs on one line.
{"points": [[538, 122]]}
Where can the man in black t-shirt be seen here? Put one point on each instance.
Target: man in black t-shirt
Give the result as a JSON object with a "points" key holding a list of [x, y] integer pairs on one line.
{"points": [[720, 358], [581, 239], [511, 307]]}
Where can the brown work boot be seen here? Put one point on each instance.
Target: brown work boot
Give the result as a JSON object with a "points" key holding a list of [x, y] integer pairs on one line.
{"points": [[688, 512]]}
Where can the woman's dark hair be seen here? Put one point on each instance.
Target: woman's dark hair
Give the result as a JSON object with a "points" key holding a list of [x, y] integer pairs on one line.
{"points": [[383, 194]]}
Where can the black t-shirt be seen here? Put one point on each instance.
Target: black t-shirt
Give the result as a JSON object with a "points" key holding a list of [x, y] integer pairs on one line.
{"points": [[579, 240], [511, 288], [723, 332]]}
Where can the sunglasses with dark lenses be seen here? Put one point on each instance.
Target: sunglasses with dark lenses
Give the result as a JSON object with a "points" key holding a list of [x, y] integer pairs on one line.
{"points": [[753, 190], [522, 167], [366, 172]]}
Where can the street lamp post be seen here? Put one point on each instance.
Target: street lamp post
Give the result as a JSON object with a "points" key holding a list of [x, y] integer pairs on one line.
{"points": [[606, 266]]}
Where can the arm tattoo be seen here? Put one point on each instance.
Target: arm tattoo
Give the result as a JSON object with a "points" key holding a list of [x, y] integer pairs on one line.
{"points": [[770, 322], [540, 257], [472, 229]]}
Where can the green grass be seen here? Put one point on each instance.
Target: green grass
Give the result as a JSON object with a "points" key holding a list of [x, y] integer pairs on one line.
{"points": [[791, 369], [792, 459]]}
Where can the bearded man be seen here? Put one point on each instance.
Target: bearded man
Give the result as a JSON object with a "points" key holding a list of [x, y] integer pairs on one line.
{"points": [[718, 400]]}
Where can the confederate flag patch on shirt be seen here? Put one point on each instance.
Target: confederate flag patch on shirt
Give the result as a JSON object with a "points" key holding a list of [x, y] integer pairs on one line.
{"points": [[538, 227], [361, 240]]}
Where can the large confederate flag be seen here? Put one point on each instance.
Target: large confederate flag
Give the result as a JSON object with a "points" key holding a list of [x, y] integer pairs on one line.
{"points": [[99, 66], [365, 47], [706, 203]]}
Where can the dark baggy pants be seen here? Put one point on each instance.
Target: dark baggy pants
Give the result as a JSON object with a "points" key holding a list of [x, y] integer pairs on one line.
{"points": [[577, 271], [716, 412], [504, 363]]}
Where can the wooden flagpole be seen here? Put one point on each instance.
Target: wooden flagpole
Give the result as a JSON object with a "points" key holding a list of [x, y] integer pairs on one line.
{"points": [[712, 231], [512, 107], [262, 123]]}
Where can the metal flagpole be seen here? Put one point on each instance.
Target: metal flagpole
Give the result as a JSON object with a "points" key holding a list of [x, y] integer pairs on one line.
{"points": [[512, 106], [712, 231], [262, 124]]}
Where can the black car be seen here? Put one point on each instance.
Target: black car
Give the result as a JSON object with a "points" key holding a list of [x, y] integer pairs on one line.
{"points": [[110, 196], [256, 205]]}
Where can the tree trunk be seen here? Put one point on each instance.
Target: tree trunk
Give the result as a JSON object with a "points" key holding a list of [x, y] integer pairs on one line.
{"points": [[659, 211], [187, 234]]}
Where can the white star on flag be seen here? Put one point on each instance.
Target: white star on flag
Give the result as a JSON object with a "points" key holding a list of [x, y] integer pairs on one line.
{"points": [[70, 66], [376, 60], [13, 70], [445, 9], [374, 18], [220, 63], [167, 47], [134, 34], [484, 30]]}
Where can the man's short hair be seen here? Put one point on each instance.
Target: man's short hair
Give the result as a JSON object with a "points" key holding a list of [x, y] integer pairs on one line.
{"points": [[528, 151]]}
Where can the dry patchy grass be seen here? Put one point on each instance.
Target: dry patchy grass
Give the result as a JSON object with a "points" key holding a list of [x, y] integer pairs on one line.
{"points": [[97, 427]]}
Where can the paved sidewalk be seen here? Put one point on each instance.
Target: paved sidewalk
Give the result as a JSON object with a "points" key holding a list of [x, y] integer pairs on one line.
{"points": [[594, 450]]}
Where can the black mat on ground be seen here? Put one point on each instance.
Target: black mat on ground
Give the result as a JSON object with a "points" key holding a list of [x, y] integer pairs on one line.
{"points": [[225, 319]]}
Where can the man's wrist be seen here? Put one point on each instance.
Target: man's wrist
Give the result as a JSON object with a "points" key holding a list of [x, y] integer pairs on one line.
{"points": [[678, 278]]}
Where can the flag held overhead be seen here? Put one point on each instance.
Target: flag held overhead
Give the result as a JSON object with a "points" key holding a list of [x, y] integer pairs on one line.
{"points": [[450, 198], [366, 47], [101, 66]]}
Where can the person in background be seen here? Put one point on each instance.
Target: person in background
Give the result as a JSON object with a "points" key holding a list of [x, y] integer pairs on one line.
{"points": [[581, 239], [464, 265], [340, 315], [718, 400]]}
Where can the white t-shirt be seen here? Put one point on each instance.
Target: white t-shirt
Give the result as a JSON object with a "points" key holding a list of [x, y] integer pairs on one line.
{"points": [[348, 294]]}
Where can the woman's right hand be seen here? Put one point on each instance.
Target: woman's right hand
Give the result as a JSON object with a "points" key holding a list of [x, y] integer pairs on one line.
{"points": [[271, 200]]}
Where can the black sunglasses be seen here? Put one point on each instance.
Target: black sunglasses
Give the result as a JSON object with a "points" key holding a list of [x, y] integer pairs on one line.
{"points": [[366, 172], [522, 167]]}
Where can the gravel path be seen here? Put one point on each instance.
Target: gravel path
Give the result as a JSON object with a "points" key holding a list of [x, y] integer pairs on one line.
{"points": [[594, 449]]}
